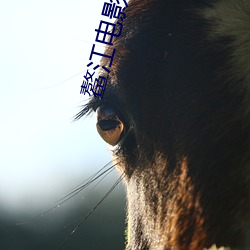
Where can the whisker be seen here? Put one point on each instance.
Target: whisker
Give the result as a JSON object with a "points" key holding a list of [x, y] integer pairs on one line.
{"points": [[108, 172], [103, 171], [87, 182], [61, 82], [93, 209], [91, 191]]}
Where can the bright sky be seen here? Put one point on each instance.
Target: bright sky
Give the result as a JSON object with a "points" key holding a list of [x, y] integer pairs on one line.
{"points": [[44, 43]]}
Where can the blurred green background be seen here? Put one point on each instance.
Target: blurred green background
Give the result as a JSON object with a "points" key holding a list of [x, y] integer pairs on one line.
{"points": [[104, 229]]}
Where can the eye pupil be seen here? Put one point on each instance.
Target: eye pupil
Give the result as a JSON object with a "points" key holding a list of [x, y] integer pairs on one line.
{"points": [[106, 125]]}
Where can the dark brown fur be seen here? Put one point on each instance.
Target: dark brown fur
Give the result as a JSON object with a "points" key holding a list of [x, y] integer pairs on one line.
{"points": [[186, 148]]}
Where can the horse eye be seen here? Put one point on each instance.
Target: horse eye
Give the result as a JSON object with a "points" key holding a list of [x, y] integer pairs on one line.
{"points": [[108, 125]]}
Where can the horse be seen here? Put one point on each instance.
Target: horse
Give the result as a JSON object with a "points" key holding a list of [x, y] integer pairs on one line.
{"points": [[176, 113]]}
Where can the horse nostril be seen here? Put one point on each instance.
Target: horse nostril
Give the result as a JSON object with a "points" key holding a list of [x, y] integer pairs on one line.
{"points": [[109, 126]]}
